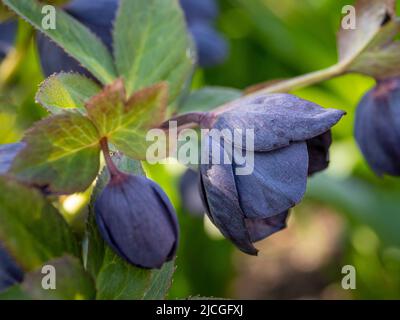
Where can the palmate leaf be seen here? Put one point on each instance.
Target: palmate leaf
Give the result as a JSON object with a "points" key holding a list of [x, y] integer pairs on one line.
{"points": [[61, 156], [126, 122], [151, 44], [115, 278], [31, 229], [65, 91], [72, 283], [72, 36]]}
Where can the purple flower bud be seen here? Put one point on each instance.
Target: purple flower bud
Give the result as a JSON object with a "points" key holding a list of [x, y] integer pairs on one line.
{"points": [[10, 273], [7, 36], [97, 15], [212, 48], [377, 127], [205, 11], [137, 220], [291, 141]]}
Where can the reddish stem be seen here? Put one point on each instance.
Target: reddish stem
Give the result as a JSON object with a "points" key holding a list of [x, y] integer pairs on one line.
{"points": [[112, 168]]}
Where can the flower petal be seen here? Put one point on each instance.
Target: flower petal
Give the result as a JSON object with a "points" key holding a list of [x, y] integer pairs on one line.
{"points": [[277, 183], [278, 120], [318, 152], [260, 229], [221, 200]]}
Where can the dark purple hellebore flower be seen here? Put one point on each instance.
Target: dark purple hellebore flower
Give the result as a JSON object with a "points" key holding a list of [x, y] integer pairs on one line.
{"points": [[97, 15], [10, 273], [377, 127], [137, 220], [212, 48], [291, 141], [8, 31]]}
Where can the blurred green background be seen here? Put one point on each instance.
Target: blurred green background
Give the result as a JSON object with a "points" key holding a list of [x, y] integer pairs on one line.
{"points": [[349, 217]]}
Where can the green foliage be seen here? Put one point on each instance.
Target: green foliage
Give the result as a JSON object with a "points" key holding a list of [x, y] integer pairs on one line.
{"points": [[150, 45], [27, 226], [56, 149], [66, 91], [72, 283], [126, 122], [71, 35]]}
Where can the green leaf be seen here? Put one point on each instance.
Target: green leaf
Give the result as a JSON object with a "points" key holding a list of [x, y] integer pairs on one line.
{"points": [[160, 282], [75, 38], [381, 58], [151, 44], [61, 154], [115, 278], [72, 283], [30, 227], [209, 98], [370, 47], [66, 90], [126, 122], [118, 280]]}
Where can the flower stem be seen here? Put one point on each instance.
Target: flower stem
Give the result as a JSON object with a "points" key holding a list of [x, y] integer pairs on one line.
{"points": [[112, 168], [292, 84]]}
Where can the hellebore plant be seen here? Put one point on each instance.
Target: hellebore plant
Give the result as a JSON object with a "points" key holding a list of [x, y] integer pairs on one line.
{"points": [[131, 226]]}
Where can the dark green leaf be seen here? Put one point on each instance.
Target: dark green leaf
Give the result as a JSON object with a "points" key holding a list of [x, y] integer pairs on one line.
{"points": [[151, 45], [161, 282], [76, 39], [30, 227]]}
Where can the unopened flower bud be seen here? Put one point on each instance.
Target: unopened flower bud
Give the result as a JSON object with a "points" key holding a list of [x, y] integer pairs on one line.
{"points": [[137, 220]]}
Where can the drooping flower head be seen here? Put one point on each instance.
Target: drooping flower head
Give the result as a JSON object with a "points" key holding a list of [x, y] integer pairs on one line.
{"points": [[291, 141]]}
